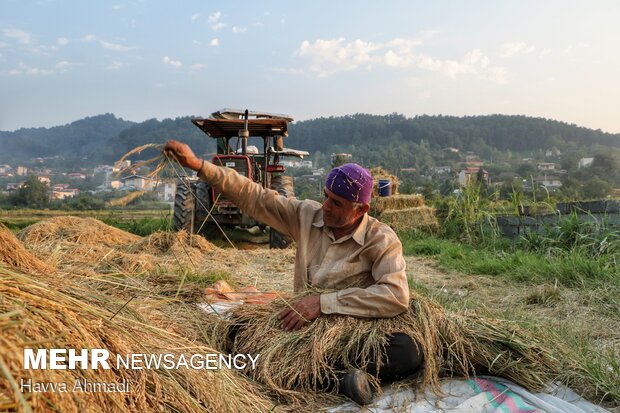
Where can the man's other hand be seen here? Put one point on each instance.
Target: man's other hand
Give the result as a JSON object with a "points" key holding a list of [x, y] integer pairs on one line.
{"points": [[304, 311], [184, 154]]}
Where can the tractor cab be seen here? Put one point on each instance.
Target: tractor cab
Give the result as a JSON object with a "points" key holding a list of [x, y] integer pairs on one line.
{"points": [[202, 209]]}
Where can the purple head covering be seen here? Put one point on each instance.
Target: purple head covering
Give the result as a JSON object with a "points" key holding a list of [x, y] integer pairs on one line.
{"points": [[351, 182]]}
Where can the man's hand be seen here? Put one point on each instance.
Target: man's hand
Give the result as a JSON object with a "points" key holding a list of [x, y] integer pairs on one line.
{"points": [[183, 154], [305, 310]]}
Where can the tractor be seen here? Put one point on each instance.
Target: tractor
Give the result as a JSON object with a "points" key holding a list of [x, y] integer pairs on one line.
{"points": [[201, 209]]}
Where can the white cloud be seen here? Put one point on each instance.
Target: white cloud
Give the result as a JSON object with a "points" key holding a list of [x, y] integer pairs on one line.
{"points": [[19, 35], [514, 48], [218, 26], [196, 42], [114, 46], [196, 67], [545, 52], [63, 65], [30, 71], [62, 41], [107, 45], [214, 42], [174, 63], [116, 65], [237, 29], [282, 21], [326, 57], [215, 17], [195, 16]]}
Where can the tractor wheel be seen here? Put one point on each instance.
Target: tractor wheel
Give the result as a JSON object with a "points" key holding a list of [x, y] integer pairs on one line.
{"points": [[204, 227], [183, 217], [284, 185]]}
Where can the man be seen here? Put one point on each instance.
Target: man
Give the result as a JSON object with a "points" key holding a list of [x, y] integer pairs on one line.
{"points": [[339, 247]]}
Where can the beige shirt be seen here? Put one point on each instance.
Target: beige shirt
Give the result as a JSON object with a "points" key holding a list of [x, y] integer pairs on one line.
{"points": [[366, 267]]}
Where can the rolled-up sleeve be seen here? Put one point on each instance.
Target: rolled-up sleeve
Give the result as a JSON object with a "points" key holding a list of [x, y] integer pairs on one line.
{"points": [[265, 205]]}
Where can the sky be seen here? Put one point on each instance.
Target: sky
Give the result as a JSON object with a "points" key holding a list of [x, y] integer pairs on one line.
{"points": [[61, 61]]}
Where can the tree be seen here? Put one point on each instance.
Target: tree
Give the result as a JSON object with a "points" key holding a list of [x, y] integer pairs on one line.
{"points": [[33, 194], [596, 188]]}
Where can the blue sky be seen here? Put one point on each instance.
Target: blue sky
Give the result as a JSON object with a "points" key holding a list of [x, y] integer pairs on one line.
{"points": [[63, 60]]}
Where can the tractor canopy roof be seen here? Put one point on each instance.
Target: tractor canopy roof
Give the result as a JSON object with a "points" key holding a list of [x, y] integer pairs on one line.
{"points": [[227, 123]]}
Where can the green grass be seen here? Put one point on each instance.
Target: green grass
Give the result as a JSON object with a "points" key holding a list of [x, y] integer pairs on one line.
{"points": [[572, 268]]}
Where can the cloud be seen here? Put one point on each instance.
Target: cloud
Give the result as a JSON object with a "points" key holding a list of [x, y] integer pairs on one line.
{"points": [[196, 67], [214, 42], [116, 7], [282, 21], [196, 42], [174, 63], [511, 49], [19, 35], [62, 41], [326, 57], [30, 71], [63, 65], [215, 17], [218, 26], [106, 45], [195, 16], [545, 52], [116, 65], [237, 29]]}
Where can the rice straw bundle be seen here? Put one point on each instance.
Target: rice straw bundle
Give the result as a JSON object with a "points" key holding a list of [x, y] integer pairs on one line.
{"points": [[453, 344], [15, 255], [383, 203], [59, 314], [74, 229], [162, 242], [422, 218]]}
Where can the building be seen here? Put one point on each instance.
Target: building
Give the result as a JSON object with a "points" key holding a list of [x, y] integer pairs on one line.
{"points": [[14, 186], [548, 181], [546, 166], [77, 176], [585, 162], [5, 169], [62, 191], [166, 191], [440, 170], [21, 170], [44, 179], [138, 182], [467, 174]]}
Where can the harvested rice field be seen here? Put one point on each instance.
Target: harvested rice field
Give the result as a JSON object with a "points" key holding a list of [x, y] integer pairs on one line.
{"points": [[72, 282]]}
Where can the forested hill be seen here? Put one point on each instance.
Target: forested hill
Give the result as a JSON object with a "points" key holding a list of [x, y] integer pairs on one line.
{"points": [[77, 139], [501, 132], [372, 138]]}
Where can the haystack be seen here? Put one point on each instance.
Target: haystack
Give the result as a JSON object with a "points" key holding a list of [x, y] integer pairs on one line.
{"points": [[383, 203], [77, 230], [420, 218], [15, 255], [61, 314], [453, 344], [380, 173]]}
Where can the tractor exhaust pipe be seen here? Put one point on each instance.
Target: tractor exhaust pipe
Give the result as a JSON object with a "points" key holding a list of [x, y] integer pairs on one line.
{"points": [[244, 134]]}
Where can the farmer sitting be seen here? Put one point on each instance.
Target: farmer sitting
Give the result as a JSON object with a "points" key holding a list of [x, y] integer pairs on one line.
{"points": [[339, 247]]}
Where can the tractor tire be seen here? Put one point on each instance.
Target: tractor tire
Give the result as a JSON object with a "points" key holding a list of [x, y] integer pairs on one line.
{"points": [[207, 229], [184, 207], [284, 185]]}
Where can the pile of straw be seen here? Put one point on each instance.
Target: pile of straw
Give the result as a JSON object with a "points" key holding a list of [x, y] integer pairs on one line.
{"points": [[15, 255], [381, 204], [454, 344], [85, 231], [62, 314], [420, 218]]}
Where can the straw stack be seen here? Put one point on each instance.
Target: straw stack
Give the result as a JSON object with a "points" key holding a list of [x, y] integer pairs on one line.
{"points": [[454, 344]]}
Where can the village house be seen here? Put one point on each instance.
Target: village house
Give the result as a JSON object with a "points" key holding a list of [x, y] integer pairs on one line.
{"points": [[584, 162], [548, 181], [138, 182], [467, 174], [546, 166]]}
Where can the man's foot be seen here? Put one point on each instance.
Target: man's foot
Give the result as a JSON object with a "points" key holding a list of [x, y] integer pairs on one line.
{"points": [[355, 386]]}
